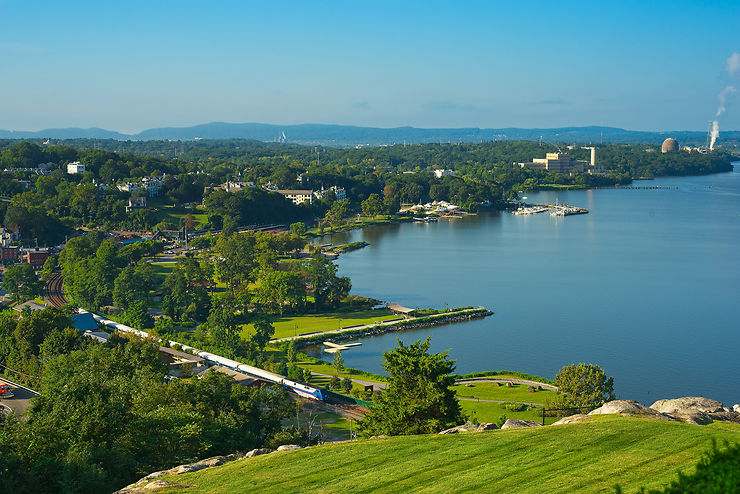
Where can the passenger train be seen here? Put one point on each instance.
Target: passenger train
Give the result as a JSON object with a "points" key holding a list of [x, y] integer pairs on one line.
{"points": [[303, 390]]}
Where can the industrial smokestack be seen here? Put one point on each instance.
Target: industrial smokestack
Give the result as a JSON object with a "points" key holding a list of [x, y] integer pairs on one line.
{"points": [[593, 156]]}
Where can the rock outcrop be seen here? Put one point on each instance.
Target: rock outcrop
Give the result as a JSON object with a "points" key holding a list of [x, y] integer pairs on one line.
{"points": [[697, 410], [486, 426], [149, 482], [573, 419], [258, 451], [466, 427], [470, 427], [696, 403], [516, 423], [629, 408], [289, 447]]}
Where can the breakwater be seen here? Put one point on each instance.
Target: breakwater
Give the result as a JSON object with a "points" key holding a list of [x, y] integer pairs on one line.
{"points": [[402, 325]]}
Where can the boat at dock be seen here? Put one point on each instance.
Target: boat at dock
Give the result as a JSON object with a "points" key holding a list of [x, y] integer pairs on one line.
{"points": [[530, 210], [565, 210]]}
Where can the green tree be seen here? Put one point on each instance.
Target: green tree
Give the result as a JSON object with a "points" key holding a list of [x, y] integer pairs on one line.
{"points": [[21, 281], [50, 266], [583, 385], [298, 228], [419, 398], [372, 206], [292, 352], [338, 362]]}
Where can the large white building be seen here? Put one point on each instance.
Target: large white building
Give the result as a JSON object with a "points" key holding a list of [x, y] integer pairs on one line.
{"points": [[339, 192], [561, 163], [75, 167], [443, 173], [151, 184], [298, 196]]}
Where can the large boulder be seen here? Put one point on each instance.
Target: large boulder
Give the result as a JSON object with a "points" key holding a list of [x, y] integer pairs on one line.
{"points": [[736, 408], [289, 447], [696, 403], [257, 452], [486, 426], [573, 419], [466, 427], [516, 423]]}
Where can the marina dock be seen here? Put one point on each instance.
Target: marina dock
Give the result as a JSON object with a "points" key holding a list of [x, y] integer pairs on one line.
{"points": [[554, 209]]}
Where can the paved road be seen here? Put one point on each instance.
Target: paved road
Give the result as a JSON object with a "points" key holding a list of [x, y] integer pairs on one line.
{"points": [[21, 399], [361, 327]]}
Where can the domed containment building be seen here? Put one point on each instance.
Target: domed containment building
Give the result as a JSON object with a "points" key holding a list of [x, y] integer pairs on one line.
{"points": [[669, 145]]}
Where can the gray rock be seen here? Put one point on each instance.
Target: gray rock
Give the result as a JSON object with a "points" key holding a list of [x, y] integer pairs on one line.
{"points": [[486, 426], [289, 447], [691, 416], [725, 416], [573, 419], [382, 436], [621, 406], [466, 427], [736, 408], [697, 403], [257, 452], [516, 423]]}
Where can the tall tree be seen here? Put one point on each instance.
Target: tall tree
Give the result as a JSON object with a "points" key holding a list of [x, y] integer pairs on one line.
{"points": [[419, 398], [21, 281]]}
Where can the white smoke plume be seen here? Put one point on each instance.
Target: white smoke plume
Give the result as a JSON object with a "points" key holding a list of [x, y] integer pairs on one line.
{"points": [[732, 67], [715, 134], [733, 64], [723, 97]]}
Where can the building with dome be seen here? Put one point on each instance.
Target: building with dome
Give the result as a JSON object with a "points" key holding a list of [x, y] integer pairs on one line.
{"points": [[669, 145]]}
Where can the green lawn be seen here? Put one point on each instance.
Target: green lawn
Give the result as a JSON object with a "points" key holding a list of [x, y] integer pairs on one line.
{"points": [[586, 457], [486, 411], [291, 325], [175, 214], [163, 268], [489, 391]]}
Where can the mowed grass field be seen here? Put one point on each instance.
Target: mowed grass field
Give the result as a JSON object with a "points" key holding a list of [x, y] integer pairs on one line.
{"points": [[586, 457], [309, 323], [517, 392]]}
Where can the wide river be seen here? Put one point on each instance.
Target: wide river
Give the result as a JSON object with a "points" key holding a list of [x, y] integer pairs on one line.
{"points": [[647, 285]]}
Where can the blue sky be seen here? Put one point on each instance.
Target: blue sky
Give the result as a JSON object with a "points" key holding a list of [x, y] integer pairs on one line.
{"points": [[133, 65]]}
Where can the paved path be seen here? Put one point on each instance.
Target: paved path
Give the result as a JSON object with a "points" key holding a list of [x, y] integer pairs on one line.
{"points": [[364, 326]]}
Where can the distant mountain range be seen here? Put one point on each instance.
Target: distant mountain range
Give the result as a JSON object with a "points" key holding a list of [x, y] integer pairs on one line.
{"points": [[347, 135]]}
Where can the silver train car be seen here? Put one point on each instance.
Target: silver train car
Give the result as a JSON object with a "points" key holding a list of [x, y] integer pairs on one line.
{"points": [[314, 393]]}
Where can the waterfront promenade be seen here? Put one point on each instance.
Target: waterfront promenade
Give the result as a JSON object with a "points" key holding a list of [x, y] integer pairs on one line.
{"points": [[380, 326]]}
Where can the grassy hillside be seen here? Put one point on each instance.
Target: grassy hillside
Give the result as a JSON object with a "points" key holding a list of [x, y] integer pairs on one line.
{"points": [[586, 457]]}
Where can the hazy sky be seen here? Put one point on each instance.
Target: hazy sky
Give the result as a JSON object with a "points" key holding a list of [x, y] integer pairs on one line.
{"points": [[131, 65]]}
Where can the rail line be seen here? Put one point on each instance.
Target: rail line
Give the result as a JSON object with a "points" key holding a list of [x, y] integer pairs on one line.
{"points": [[54, 290]]}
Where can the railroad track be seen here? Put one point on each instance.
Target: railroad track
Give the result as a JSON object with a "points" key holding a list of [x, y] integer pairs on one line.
{"points": [[54, 291]]}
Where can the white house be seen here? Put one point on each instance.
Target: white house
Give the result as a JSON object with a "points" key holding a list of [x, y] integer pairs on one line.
{"points": [[443, 173], [75, 167]]}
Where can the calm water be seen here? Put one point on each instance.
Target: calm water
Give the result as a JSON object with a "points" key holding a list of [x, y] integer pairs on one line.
{"points": [[646, 286]]}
